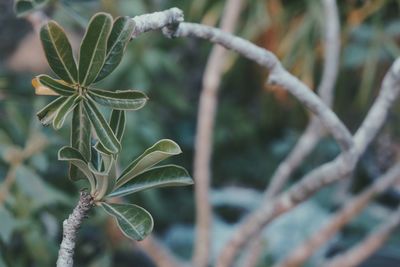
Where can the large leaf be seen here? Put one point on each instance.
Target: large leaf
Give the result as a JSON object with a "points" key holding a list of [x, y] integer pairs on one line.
{"points": [[122, 100], [163, 176], [58, 52], [135, 222], [117, 124], [80, 139], [57, 86], [117, 41], [47, 114], [74, 157], [102, 129], [93, 48], [161, 150], [64, 110]]}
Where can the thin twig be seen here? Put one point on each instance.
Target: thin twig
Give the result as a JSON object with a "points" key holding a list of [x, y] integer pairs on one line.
{"points": [[353, 207], [161, 256], [204, 135], [70, 228], [360, 252]]}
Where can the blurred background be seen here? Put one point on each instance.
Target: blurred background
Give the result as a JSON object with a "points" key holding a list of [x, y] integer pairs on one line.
{"points": [[256, 127]]}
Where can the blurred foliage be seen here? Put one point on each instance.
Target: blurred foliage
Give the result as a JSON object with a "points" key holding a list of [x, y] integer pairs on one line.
{"points": [[256, 125]]}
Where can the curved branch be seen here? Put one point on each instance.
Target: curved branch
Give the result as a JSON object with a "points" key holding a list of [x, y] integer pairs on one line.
{"points": [[353, 207], [360, 252], [204, 136], [70, 228]]}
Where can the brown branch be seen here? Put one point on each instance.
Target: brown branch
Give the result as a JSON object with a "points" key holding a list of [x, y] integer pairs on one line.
{"points": [[330, 172], [353, 207], [204, 136], [70, 229], [161, 256], [360, 252]]}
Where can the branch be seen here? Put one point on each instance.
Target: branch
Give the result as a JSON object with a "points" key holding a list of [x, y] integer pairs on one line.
{"points": [[353, 207], [158, 253], [360, 252], [70, 228], [204, 136], [330, 172]]}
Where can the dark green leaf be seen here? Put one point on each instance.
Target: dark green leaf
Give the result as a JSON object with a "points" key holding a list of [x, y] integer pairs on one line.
{"points": [[58, 52], [74, 157], [93, 48], [117, 41], [122, 100], [168, 175], [102, 129], [64, 109], [161, 150], [57, 86], [135, 222], [47, 114], [117, 124], [80, 139], [23, 7]]}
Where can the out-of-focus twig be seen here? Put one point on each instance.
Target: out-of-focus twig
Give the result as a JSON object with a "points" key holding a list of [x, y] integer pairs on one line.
{"points": [[314, 130], [161, 256], [352, 207], [360, 252], [204, 135]]}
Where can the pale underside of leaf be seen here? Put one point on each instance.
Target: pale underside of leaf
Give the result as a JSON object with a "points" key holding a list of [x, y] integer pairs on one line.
{"points": [[121, 100], [163, 176], [58, 52], [80, 139], [117, 42], [47, 114], [161, 150], [135, 222], [101, 127], [93, 48]]}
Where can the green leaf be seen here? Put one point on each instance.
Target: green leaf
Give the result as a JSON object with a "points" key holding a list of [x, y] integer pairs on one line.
{"points": [[58, 52], [104, 181], [121, 100], [135, 222], [102, 129], [74, 157], [161, 150], [8, 224], [117, 124], [63, 111], [163, 176], [80, 139], [23, 7], [47, 114], [117, 42], [57, 86], [93, 49]]}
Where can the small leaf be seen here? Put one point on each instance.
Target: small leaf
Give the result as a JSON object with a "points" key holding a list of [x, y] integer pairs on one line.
{"points": [[117, 41], [40, 89], [23, 7], [74, 157], [121, 100], [57, 86], [135, 222], [93, 49], [58, 51], [161, 150], [47, 114], [80, 139], [104, 181], [117, 125], [163, 176], [64, 110], [102, 129]]}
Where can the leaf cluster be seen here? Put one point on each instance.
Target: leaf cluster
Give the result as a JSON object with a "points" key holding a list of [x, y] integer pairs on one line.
{"points": [[101, 51]]}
